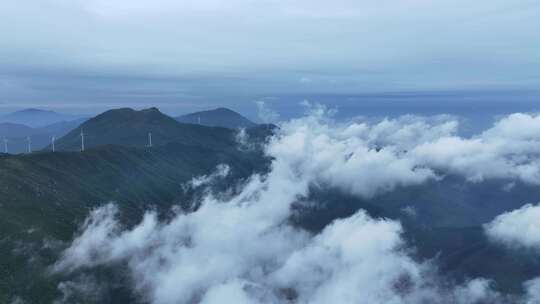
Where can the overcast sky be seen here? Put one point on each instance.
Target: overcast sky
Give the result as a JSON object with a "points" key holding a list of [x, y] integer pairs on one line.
{"points": [[187, 55]]}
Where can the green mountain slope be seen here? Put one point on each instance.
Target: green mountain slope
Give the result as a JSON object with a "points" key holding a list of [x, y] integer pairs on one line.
{"points": [[45, 196]]}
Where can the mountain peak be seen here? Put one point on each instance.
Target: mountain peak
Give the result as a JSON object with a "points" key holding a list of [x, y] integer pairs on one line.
{"points": [[129, 113], [150, 110], [219, 117], [129, 127]]}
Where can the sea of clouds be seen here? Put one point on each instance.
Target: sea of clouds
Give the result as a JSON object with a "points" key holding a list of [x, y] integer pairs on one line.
{"points": [[243, 248]]}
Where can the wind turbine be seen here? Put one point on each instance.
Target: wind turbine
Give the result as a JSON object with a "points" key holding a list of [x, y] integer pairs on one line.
{"points": [[53, 139], [82, 140], [29, 141], [199, 119], [150, 139], [6, 145]]}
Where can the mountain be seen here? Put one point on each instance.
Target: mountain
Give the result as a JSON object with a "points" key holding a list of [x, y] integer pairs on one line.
{"points": [[44, 196], [220, 117], [128, 127], [17, 134], [36, 117]]}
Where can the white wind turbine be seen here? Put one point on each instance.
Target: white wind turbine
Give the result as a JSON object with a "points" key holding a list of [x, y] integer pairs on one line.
{"points": [[29, 142], [6, 145], [150, 139], [53, 140], [82, 140]]}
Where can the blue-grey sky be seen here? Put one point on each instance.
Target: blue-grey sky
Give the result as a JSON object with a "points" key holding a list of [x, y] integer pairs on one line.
{"points": [[88, 55]]}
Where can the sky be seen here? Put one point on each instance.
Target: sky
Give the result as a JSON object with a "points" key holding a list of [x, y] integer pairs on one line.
{"points": [[86, 56]]}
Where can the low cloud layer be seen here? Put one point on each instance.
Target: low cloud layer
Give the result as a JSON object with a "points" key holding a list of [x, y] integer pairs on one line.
{"points": [[510, 149], [243, 249]]}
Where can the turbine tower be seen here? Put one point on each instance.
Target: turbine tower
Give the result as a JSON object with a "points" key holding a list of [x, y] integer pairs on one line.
{"points": [[53, 139], [6, 145], [150, 139], [82, 140], [29, 141], [199, 119]]}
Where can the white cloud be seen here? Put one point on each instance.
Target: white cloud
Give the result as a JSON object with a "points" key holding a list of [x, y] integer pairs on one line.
{"points": [[230, 292], [83, 287], [519, 228], [353, 260], [223, 254], [265, 113], [532, 289], [510, 149], [222, 171], [477, 291]]}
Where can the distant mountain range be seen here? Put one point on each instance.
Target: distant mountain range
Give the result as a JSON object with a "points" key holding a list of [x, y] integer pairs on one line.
{"points": [[17, 134], [220, 117], [125, 127], [36, 118]]}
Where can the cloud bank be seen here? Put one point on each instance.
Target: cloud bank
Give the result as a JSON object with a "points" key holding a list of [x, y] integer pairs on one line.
{"points": [[243, 248]]}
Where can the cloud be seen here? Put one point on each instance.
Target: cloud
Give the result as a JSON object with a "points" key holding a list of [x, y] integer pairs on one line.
{"points": [[519, 228], [231, 292], [352, 260], [344, 156], [532, 289], [510, 149], [366, 159], [222, 171], [82, 288], [220, 255], [266, 115]]}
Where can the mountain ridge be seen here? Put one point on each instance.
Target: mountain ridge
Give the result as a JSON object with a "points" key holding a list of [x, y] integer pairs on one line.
{"points": [[129, 127], [219, 117]]}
